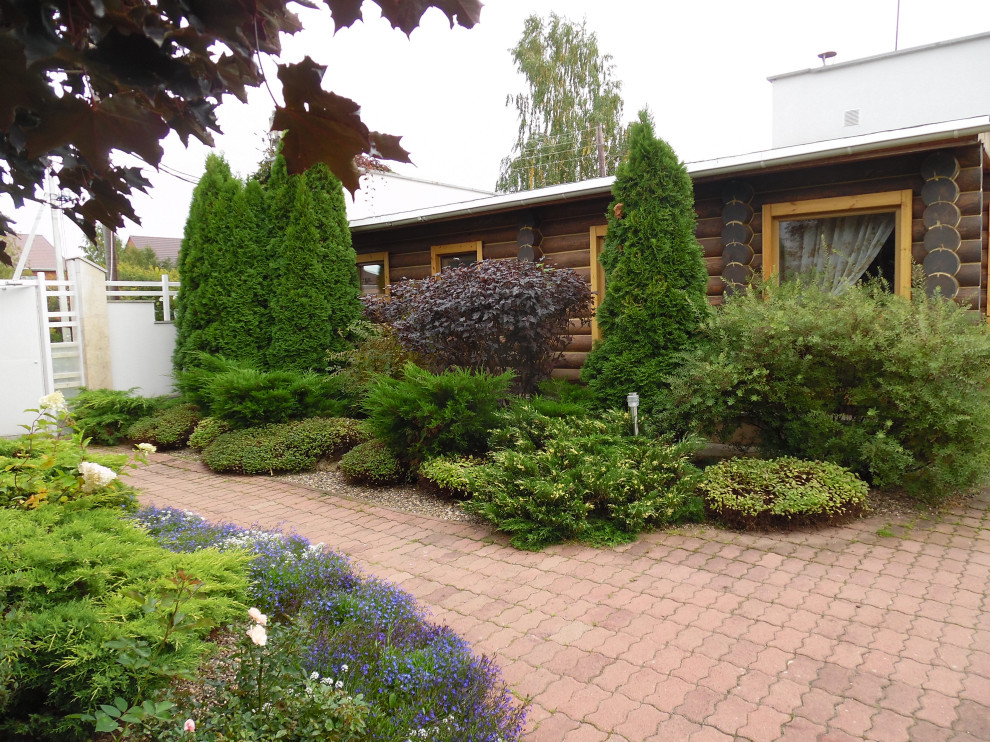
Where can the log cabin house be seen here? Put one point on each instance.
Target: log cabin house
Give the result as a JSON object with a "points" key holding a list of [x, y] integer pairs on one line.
{"points": [[918, 192]]}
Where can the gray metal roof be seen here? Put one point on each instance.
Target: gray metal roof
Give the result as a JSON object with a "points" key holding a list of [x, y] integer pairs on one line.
{"points": [[719, 166]]}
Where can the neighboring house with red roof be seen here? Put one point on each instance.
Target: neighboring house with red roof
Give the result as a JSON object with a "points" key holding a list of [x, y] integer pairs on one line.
{"points": [[166, 249], [40, 260]]}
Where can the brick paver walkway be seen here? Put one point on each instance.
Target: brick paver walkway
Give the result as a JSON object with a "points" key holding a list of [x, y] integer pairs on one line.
{"points": [[838, 634]]}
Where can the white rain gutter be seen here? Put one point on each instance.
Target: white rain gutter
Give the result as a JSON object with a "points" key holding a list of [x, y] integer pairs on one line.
{"points": [[721, 166]]}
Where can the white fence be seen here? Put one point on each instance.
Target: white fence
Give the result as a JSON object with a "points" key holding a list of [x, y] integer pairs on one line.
{"points": [[61, 335]]}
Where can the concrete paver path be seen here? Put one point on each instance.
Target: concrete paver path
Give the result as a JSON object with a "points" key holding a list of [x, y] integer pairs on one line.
{"points": [[867, 631]]}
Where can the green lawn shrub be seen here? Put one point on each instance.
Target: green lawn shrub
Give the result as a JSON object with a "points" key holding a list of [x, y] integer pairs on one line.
{"points": [[67, 583], [446, 476], [423, 415], [372, 463], [207, 430], [590, 481], [246, 397], [896, 390], [104, 414], [786, 492], [166, 428], [287, 447]]}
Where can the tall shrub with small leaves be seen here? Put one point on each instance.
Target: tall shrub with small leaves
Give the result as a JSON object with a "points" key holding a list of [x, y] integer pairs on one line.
{"points": [[655, 274], [207, 231], [316, 287]]}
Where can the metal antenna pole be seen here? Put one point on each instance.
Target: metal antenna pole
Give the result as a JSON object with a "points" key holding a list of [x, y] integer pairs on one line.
{"points": [[897, 25]]}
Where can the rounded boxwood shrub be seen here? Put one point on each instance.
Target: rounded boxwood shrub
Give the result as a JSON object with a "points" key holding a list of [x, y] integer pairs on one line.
{"points": [[168, 428], [287, 447], [208, 430], [372, 463], [757, 493]]}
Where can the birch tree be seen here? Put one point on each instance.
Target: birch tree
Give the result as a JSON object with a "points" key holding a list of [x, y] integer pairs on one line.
{"points": [[571, 93]]}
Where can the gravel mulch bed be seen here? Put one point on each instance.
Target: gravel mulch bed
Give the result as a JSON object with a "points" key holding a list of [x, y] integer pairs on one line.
{"points": [[405, 498]]}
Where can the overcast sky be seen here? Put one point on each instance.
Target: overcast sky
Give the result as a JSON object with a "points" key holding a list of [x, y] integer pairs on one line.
{"points": [[700, 66]]}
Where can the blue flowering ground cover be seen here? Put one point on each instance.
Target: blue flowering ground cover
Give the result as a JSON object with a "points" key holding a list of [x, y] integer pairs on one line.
{"points": [[421, 681]]}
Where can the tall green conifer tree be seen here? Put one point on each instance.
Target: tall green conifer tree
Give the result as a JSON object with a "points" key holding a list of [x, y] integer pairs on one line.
{"points": [[316, 284], [200, 264], [655, 277]]}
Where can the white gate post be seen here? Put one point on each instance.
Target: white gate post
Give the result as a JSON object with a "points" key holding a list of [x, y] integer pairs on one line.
{"points": [[45, 333]]}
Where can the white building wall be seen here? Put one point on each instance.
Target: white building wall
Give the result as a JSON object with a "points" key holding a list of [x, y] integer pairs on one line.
{"points": [[25, 371], [140, 348], [923, 85]]}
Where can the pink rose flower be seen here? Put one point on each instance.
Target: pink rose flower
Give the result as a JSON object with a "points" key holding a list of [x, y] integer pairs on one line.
{"points": [[189, 726]]}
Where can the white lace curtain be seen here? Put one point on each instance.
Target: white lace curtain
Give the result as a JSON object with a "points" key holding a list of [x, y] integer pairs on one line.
{"points": [[836, 251]]}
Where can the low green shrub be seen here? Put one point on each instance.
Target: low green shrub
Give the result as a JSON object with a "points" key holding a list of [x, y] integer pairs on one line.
{"points": [[167, 428], [590, 481], [446, 476], [289, 447], [207, 430], [757, 493], [104, 414], [896, 390], [245, 397], [376, 352], [423, 415], [73, 580], [372, 463]]}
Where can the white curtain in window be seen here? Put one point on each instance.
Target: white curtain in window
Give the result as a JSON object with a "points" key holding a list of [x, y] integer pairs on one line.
{"points": [[835, 250]]}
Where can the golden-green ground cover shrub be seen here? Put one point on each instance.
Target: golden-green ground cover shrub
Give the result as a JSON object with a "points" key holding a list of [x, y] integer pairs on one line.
{"points": [[68, 582], [372, 463], [784, 492], [896, 390], [446, 476], [166, 428], [289, 447], [52, 464], [590, 481]]}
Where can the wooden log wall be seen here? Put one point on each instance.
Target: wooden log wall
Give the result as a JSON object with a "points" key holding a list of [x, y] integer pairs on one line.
{"points": [[559, 234], [895, 172], [948, 201]]}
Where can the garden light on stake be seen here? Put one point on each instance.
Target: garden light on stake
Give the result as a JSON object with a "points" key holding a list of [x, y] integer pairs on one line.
{"points": [[632, 399]]}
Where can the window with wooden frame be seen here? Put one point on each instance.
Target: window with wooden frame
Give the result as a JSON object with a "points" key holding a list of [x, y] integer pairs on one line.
{"points": [[597, 242], [841, 240], [459, 253], [373, 273]]}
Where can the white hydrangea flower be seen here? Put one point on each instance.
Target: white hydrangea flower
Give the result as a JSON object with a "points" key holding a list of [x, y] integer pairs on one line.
{"points": [[53, 403], [94, 476], [314, 675], [146, 447]]}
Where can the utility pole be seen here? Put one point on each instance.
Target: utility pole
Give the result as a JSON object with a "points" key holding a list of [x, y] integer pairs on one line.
{"points": [[109, 253], [601, 150]]}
